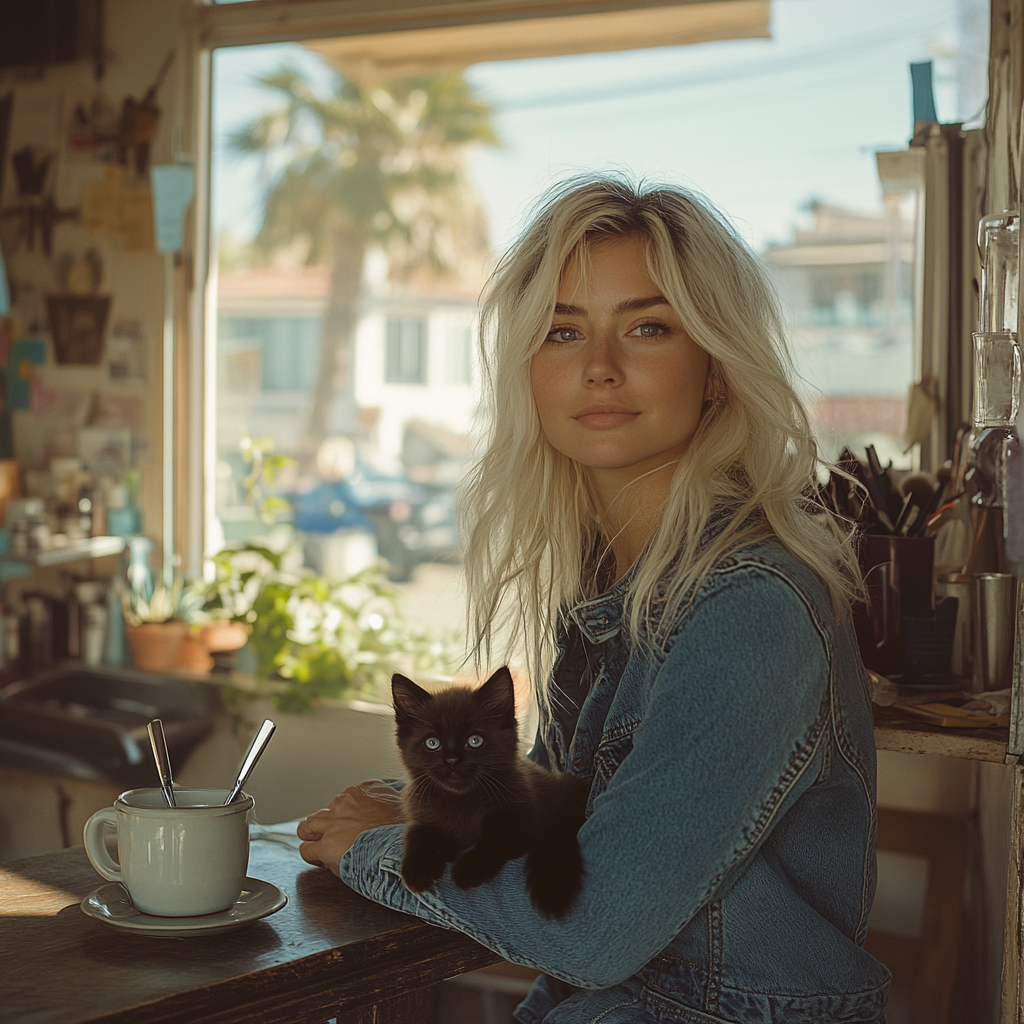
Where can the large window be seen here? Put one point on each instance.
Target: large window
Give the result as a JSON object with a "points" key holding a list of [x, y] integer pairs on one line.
{"points": [[780, 133]]}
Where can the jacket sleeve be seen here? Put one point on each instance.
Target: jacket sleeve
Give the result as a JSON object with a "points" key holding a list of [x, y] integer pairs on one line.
{"points": [[733, 720]]}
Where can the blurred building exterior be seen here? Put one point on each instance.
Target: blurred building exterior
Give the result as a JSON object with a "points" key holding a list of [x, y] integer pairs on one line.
{"points": [[846, 284], [413, 373]]}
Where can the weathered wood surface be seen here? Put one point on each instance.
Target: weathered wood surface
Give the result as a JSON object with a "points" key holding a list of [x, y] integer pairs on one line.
{"points": [[911, 738], [329, 953], [1011, 1009]]}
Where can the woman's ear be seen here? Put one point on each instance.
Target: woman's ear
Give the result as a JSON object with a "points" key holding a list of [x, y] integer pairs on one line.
{"points": [[714, 388]]}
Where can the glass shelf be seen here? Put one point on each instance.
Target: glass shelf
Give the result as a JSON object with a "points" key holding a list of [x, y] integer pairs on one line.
{"points": [[73, 551]]}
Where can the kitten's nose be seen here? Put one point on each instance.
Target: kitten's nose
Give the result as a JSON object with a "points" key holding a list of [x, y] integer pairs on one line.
{"points": [[452, 760]]}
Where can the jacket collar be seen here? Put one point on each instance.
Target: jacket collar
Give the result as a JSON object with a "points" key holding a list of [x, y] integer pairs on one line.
{"points": [[600, 618]]}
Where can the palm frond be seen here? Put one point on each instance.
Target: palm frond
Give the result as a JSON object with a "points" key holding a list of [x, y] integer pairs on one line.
{"points": [[360, 151]]}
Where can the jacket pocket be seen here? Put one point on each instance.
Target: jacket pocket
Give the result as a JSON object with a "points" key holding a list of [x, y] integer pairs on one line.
{"points": [[672, 1012], [615, 745]]}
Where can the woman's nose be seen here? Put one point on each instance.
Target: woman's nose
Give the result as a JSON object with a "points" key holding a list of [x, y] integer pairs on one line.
{"points": [[602, 362]]}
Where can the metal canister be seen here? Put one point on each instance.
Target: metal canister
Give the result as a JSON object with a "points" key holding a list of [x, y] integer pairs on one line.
{"points": [[993, 631]]}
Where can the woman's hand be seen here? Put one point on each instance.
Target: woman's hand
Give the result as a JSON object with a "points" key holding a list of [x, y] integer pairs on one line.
{"points": [[329, 832]]}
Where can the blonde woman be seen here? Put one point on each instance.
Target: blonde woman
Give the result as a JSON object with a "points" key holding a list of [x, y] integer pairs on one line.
{"points": [[641, 522]]}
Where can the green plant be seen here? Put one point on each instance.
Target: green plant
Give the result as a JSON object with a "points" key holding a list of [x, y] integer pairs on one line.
{"points": [[262, 469], [240, 573], [316, 638], [174, 603]]}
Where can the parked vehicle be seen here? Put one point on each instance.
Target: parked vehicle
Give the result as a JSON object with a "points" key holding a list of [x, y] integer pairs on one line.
{"points": [[411, 522]]}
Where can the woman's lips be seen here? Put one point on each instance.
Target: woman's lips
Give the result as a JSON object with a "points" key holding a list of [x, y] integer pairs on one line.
{"points": [[598, 417]]}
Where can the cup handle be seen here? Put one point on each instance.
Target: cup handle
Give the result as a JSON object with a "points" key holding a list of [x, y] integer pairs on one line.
{"points": [[880, 628], [104, 820]]}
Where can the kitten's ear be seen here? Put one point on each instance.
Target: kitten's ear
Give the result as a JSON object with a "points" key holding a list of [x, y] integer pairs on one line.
{"points": [[408, 698], [498, 695]]}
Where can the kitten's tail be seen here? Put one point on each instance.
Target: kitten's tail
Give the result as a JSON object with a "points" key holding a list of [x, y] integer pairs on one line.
{"points": [[554, 874]]}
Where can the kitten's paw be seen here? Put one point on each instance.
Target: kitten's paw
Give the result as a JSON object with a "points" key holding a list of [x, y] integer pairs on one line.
{"points": [[420, 873], [469, 870], [551, 898]]}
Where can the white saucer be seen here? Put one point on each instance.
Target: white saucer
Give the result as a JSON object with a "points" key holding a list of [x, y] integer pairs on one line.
{"points": [[111, 904]]}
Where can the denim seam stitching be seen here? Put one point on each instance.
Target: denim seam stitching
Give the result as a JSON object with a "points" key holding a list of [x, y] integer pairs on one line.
{"points": [[846, 752], [745, 564], [803, 756], [618, 1006], [716, 942], [685, 1014], [806, 749], [617, 733], [872, 838], [439, 913]]}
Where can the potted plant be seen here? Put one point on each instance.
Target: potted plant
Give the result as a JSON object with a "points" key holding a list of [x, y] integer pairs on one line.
{"points": [[210, 632], [156, 623], [312, 638], [307, 637]]}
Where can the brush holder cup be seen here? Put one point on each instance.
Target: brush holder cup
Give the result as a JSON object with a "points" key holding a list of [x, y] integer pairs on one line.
{"points": [[897, 573]]}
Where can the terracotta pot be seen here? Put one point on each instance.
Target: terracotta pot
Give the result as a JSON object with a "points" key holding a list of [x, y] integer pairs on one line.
{"points": [[155, 644], [193, 655], [224, 635]]}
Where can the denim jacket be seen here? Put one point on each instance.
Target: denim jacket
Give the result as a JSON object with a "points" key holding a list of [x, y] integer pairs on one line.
{"points": [[730, 840]]}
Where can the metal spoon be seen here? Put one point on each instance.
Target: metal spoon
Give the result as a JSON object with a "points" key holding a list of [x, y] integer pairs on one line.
{"points": [[251, 757], [158, 741]]}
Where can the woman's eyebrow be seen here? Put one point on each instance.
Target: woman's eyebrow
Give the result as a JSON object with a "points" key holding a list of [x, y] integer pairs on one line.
{"points": [[626, 306]]}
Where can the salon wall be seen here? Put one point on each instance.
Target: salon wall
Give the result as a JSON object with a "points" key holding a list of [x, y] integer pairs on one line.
{"points": [[101, 244]]}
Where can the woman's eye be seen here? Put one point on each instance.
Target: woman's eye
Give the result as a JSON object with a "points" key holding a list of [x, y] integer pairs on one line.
{"points": [[650, 330], [432, 743], [564, 334], [475, 741]]}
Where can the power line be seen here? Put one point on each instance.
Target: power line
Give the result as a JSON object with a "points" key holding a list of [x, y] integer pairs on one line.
{"points": [[730, 73]]}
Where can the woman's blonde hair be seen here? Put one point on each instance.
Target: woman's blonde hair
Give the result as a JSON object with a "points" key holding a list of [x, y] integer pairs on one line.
{"points": [[528, 517]]}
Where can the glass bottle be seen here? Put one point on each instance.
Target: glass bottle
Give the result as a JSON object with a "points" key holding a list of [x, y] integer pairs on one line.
{"points": [[998, 241]]}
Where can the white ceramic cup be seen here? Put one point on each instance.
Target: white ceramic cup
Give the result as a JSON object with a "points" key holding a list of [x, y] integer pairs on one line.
{"points": [[179, 861]]}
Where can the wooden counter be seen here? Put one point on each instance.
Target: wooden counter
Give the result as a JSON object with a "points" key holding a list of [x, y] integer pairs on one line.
{"points": [[329, 953], [895, 733]]}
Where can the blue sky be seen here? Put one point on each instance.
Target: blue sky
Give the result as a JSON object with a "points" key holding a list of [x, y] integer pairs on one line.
{"points": [[759, 126]]}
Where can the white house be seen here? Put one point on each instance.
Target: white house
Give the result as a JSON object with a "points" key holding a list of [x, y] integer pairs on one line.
{"points": [[413, 362]]}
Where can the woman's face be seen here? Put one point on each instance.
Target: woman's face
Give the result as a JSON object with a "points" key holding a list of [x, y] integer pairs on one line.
{"points": [[618, 382]]}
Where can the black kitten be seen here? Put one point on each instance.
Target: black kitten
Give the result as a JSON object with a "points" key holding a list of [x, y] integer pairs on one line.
{"points": [[473, 800]]}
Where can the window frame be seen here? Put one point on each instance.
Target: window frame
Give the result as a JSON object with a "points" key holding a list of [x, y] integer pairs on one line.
{"points": [[281, 21], [213, 26]]}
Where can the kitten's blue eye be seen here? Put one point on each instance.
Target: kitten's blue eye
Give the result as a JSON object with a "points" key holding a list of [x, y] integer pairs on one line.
{"points": [[432, 743], [475, 741]]}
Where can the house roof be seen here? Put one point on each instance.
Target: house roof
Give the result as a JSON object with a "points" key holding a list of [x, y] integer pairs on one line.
{"points": [[840, 236], [307, 288], [274, 282]]}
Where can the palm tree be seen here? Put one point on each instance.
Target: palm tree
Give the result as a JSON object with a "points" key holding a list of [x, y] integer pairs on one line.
{"points": [[371, 164]]}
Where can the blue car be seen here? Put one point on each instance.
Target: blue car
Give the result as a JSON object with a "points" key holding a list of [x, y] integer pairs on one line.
{"points": [[412, 523]]}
